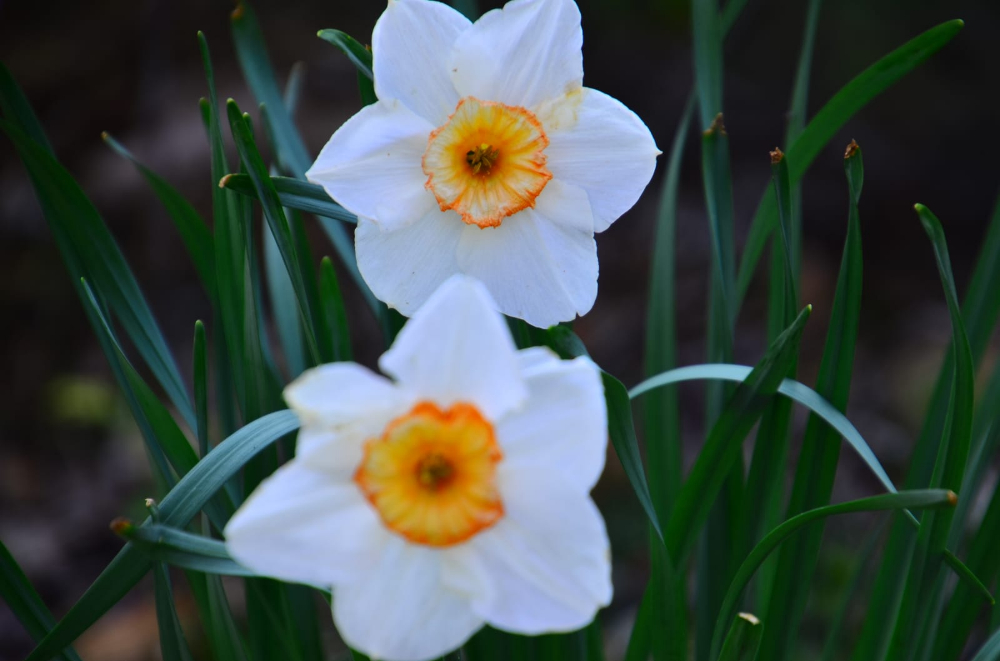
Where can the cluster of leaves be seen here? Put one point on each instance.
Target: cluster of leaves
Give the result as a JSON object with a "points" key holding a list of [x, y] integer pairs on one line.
{"points": [[734, 523]]}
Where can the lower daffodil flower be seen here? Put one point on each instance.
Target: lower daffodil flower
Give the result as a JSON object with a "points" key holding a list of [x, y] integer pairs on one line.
{"points": [[454, 495], [485, 155]]}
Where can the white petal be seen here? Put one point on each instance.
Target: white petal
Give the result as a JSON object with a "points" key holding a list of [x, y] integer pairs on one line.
{"points": [[535, 357], [337, 393], [546, 565], [401, 611], [403, 266], [411, 46], [341, 405], [540, 264], [522, 54], [562, 426], [607, 151], [371, 165], [302, 525], [457, 347]]}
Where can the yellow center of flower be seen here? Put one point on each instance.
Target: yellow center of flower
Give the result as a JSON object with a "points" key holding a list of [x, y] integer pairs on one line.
{"points": [[432, 474], [487, 162]]}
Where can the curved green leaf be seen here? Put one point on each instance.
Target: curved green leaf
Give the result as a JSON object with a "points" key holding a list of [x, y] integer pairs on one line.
{"points": [[176, 509], [89, 251], [851, 98], [918, 499], [359, 56], [789, 388], [725, 440], [622, 432]]}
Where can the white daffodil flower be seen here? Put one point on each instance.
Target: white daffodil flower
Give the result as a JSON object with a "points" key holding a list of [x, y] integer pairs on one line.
{"points": [[455, 495], [485, 155]]}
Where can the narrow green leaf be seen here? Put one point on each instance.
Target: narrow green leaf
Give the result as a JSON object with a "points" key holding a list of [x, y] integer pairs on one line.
{"points": [[722, 447], [291, 152], [163, 437], [90, 252], [668, 637], [845, 103], [108, 589], [810, 399], [622, 433], [359, 56], [17, 109], [707, 35], [717, 542], [817, 465], [789, 388], [924, 582], [293, 194], [763, 496], [743, 639], [276, 221], [256, 66], [177, 508], [960, 615], [783, 193], [230, 248], [662, 415], [980, 311], [990, 651], [173, 646], [200, 372], [800, 90], [284, 310], [333, 309], [836, 633], [173, 546], [216, 616], [192, 228], [918, 499], [23, 601]]}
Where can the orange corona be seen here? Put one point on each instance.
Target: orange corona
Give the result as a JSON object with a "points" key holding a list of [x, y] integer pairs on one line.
{"points": [[487, 162], [431, 475]]}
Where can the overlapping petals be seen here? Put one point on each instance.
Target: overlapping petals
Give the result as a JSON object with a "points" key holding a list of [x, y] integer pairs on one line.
{"points": [[422, 219], [541, 564]]}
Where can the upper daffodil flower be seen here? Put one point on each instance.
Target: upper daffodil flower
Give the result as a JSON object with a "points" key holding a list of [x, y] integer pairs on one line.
{"points": [[455, 495], [485, 155]]}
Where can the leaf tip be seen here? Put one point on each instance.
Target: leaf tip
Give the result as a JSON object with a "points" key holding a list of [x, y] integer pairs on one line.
{"points": [[776, 156], [122, 526], [749, 617], [717, 126], [851, 150], [238, 12], [225, 180], [952, 498]]}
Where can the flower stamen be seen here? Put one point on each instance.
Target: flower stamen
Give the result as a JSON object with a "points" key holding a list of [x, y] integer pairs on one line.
{"points": [[434, 471], [482, 157]]}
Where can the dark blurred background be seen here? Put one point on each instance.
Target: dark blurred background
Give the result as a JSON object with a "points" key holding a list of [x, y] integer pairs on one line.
{"points": [[70, 457]]}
